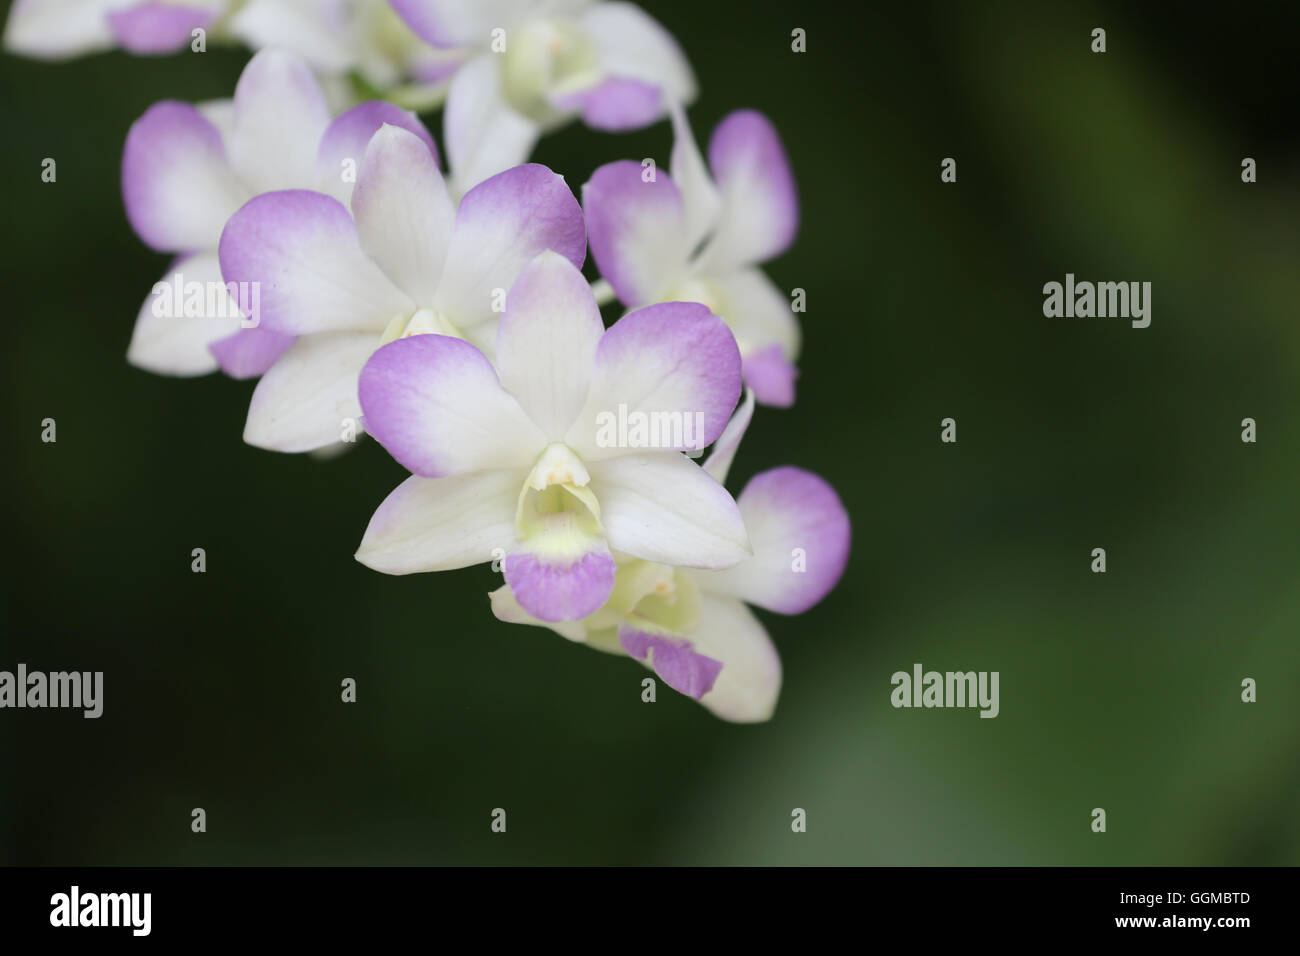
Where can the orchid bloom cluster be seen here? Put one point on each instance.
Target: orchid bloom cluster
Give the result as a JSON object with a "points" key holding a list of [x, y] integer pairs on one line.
{"points": [[443, 310]]}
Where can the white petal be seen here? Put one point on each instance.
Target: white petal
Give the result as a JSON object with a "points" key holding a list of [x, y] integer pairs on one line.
{"points": [[302, 250], [177, 182], [672, 367], [436, 404], [637, 230], [280, 116], [632, 43], [56, 31], [758, 312], [461, 23], [546, 342], [166, 340], [663, 507], [438, 524], [724, 449], [483, 135], [403, 212], [343, 146], [750, 681], [221, 114], [760, 213], [316, 31], [502, 224], [700, 197], [800, 534], [309, 395], [506, 608]]}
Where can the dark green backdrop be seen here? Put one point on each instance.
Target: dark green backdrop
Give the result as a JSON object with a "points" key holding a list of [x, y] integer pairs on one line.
{"points": [[1119, 691]]}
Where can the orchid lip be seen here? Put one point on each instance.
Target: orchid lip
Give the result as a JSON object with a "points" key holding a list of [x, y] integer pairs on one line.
{"points": [[555, 497]]}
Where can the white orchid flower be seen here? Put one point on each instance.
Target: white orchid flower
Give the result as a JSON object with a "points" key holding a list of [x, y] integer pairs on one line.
{"points": [[407, 260], [61, 29], [692, 627], [335, 37], [532, 65], [187, 169], [339, 37], [512, 463], [700, 233]]}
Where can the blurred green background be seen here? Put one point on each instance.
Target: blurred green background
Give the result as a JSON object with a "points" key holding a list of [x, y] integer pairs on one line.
{"points": [[1119, 690]]}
